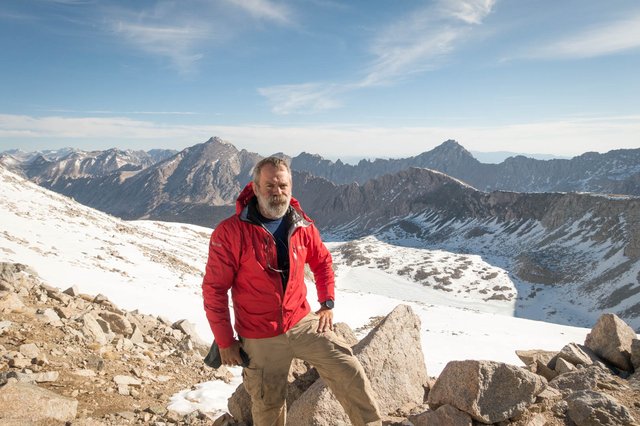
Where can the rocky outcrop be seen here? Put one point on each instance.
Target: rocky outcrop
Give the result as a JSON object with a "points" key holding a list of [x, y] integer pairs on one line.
{"points": [[584, 389], [611, 339], [29, 403], [392, 358], [92, 363], [488, 391], [589, 408]]}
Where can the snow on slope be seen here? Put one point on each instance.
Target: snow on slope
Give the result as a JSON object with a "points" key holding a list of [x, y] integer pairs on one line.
{"points": [[157, 268], [151, 266]]}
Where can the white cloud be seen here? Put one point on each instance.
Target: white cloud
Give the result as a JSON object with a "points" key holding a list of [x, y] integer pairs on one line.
{"points": [[606, 39], [301, 98], [561, 137], [177, 43], [468, 11], [410, 45], [265, 9]]}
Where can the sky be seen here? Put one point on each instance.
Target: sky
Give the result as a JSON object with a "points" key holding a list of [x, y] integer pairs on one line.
{"points": [[342, 79]]}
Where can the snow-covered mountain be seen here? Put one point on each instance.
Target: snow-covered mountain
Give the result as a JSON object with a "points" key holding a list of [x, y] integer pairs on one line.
{"points": [[197, 185], [157, 268], [85, 164], [572, 256]]}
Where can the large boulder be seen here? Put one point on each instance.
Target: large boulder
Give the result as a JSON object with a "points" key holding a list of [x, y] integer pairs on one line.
{"points": [[583, 379], [590, 408], [611, 340], [23, 402], [391, 355], [488, 391]]}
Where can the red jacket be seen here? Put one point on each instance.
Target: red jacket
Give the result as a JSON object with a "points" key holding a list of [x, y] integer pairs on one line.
{"points": [[242, 254]]}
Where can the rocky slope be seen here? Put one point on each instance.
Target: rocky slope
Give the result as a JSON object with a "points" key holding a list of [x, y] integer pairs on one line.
{"points": [[70, 358], [576, 247], [582, 384], [74, 359]]}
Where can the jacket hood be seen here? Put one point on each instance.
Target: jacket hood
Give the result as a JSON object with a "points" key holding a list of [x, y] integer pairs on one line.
{"points": [[247, 194]]}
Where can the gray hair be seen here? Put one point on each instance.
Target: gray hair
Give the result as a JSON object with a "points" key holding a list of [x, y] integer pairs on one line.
{"points": [[274, 161]]}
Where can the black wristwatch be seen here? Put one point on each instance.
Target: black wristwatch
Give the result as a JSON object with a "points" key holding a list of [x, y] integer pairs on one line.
{"points": [[328, 304]]}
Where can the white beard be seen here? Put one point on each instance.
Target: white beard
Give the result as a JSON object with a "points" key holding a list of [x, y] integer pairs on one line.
{"points": [[275, 206]]}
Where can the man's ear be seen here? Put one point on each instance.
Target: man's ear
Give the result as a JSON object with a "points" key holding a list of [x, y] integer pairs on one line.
{"points": [[255, 188]]}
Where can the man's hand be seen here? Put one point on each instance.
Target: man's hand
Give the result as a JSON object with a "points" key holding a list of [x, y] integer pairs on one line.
{"points": [[326, 320], [231, 355]]}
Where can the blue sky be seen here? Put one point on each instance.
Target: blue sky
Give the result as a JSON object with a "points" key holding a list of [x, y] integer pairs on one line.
{"points": [[342, 79]]}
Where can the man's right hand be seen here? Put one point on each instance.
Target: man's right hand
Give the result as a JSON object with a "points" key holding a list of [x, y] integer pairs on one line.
{"points": [[231, 355]]}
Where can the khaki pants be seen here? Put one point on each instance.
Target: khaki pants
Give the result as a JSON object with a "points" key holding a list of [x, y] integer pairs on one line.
{"points": [[266, 377]]}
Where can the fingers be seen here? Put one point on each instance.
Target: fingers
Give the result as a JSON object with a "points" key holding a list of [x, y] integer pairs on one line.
{"points": [[231, 355], [325, 322]]}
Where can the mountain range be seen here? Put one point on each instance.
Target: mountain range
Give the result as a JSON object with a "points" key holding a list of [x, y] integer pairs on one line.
{"points": [[199, 184], [558, 247], [615, 172]]}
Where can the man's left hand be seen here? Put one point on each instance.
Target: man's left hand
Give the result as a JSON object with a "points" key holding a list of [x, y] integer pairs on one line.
{"points": [[325, 321]]}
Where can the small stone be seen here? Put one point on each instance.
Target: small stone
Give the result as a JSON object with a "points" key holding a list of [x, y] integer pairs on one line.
{"points": [[4, 325], [49, 316], [127, 415], [19, 363], [50, 376], [84, 373], [123, 390], [29, 350], [127, 380], [72, 291], [563, 366]]}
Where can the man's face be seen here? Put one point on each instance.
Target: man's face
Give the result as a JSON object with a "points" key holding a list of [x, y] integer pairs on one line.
{"points": [[273, 191]]}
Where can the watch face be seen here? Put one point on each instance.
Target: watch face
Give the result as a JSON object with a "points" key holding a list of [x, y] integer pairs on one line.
{"points": [[328, 304]]}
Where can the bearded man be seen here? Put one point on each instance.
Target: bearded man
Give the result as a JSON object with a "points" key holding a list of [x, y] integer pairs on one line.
{"points": [[259, 254]]}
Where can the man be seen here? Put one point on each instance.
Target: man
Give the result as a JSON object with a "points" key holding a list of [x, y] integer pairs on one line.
{"points": [[260, 253]]}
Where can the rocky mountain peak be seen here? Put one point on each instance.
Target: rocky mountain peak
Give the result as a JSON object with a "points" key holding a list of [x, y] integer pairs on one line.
{"points": [[216, 140], [212, 149], [452, 150]]}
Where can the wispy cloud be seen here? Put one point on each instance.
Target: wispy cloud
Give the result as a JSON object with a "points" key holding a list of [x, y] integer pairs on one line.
{"points": [[604, 39], [177, 43], [183, 34], [471, 12], [265, 9], [413, 44], [303, 98]]}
